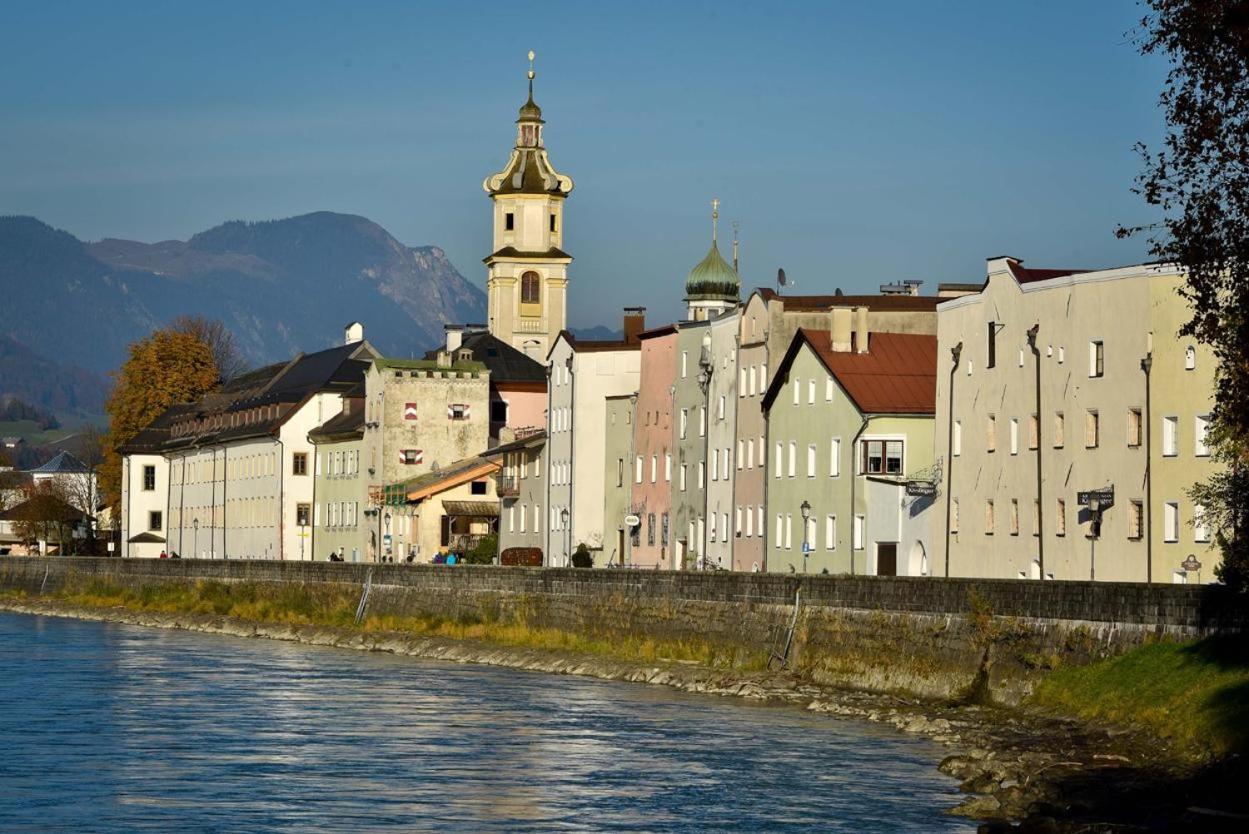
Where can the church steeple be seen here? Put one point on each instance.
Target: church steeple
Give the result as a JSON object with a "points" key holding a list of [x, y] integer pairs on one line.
{"points": [[527, 279], [712, 286]]}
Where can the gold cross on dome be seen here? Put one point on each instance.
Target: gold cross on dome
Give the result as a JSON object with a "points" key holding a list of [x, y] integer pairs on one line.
{"points": [[531, 65], [715, 215]]}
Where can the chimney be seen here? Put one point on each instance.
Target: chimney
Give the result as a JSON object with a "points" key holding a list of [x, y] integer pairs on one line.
{"points": [[353, 333], [634, 323], [839, 333], [860, 330], [455, 336]]}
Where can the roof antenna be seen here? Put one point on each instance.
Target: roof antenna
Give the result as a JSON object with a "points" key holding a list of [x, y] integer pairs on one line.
{"points": [[736, 227]]}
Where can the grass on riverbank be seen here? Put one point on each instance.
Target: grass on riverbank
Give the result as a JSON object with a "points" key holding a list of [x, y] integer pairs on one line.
{"points": [[1194, 695], [336, 607]]}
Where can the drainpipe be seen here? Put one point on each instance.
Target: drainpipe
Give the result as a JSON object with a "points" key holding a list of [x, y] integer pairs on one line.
{"points": [[550, 468], [854, 477], [312, 511], [955, 353], [225, 480], [1040, 500], [182, 506], [281, 465], [572, 447], [633, 422], [1147, 365], [212, 510]]}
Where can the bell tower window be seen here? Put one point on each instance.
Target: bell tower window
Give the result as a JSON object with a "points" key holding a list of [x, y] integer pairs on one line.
{"points": [[530, 289], [509, 221], [552, 221]]}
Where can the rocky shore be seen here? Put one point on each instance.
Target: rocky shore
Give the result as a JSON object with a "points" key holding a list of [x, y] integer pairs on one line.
{"points": [[1021, 771]]}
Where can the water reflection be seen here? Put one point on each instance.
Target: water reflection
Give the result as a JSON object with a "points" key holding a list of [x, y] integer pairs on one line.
{"points": [[120, 728]]}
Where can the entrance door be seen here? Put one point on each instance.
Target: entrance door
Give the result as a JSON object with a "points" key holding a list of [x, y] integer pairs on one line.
{"points": [[886, 559]]}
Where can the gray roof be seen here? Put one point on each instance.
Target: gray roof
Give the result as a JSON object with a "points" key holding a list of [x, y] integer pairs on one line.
{"points": [[63, 464], [505, 363]]}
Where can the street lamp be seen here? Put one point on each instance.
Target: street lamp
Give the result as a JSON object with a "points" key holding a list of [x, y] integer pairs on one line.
{"points": [[195, 525], [386, 540], [563, 519], [1095, 530], [806, 545]]}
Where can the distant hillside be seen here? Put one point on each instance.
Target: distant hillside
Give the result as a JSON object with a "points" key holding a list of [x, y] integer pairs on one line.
{"points": [[54, 387], [281, 286]]}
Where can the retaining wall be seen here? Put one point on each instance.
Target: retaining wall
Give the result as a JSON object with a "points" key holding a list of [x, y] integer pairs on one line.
{"points": [[931, 637]]}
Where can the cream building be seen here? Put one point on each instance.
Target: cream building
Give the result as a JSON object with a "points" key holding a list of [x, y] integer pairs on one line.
{"points": [[1053, 383], [527, 279], [583, 374]]}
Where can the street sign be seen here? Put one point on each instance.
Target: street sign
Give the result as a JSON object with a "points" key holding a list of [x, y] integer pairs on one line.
{"points": [[1191, 563], [921, 489], [632, 520], [806, 548], [1105, 497]]}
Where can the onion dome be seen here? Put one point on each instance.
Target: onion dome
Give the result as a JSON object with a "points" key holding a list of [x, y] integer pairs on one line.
{"points": [[713, 278]]}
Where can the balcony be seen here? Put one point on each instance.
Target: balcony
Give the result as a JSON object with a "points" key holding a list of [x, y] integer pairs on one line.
{"points": [[507, 486]]}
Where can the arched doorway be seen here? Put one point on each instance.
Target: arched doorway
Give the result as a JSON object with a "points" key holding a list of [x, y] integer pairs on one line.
{"points": [[917, 560]]}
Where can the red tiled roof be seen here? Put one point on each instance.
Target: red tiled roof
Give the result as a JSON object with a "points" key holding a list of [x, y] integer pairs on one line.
{"points": [[898, 374], [872, 302]]}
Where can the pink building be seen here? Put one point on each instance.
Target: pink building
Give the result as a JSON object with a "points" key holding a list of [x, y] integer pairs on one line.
{"points": [[653, 450]]}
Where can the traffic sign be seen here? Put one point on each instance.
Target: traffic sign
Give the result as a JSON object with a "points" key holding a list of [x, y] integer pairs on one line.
{"points": [[632, 520]]}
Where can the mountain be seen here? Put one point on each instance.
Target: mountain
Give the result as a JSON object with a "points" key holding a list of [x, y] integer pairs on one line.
{"points": [[599, 333], [61, 389], [281, 286]]}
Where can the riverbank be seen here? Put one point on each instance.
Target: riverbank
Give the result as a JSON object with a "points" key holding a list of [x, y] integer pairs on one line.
{"points": [[1046, 772]]}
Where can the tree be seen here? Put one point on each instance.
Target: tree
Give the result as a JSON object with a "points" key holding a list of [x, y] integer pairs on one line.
{"points": [[1200, 181], [212, 332], [168, 367], [45, 514]]}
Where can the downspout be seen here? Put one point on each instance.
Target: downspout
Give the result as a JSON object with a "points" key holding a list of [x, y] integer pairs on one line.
{"points": [[550, 468], [767, 514], [955, 353], [854, 478], [633, 421], [125, 479], [1040, 498], [572, 448], [282, 499], [212, 510], [312, 511], [1147, 365], [182, 507], [225, 479]]}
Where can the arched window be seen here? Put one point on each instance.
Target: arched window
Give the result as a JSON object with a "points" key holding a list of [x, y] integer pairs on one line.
{"points": [[1190, 358], [530, 288]]}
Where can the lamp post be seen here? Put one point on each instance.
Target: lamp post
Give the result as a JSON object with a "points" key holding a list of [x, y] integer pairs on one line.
{"points": [[195, 526], [1095, 529], [805, 508], [303, 533], [563, 520], [386, 540]]}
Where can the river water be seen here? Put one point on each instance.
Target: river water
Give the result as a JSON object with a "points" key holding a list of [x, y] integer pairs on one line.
{"points": [[120, 728]]}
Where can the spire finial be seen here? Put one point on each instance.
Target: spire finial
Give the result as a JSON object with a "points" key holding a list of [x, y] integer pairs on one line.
{"points": [[531, 73], [715, 216], [736, 226]]}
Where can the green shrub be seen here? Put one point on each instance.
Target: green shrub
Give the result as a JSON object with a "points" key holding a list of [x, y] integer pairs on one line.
{"points": [[484, 552]]}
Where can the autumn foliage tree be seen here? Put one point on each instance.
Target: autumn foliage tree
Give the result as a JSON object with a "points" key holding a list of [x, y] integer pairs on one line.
{"points": [[1199, 179], [170, 366]]}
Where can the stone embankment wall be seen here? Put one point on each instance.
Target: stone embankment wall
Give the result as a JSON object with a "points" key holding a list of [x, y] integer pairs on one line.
{"points": [[929, 637]]}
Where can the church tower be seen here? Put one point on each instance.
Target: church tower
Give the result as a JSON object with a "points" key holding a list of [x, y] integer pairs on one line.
{"points": [[712, 287], [527, 270]]}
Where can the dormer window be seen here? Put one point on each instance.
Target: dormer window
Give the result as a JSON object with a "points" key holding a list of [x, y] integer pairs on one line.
{"points": [[1190, 358]]}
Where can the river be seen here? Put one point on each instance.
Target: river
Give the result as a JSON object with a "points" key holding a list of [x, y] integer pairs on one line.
{"points": [[108, 727]]}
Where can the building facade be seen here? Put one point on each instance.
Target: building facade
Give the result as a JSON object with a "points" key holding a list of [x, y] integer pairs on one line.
{"points": [[728, 449], [685, 464], [653, 441], [617, 485], [1053, 384], [339, 495], [521, 486]]}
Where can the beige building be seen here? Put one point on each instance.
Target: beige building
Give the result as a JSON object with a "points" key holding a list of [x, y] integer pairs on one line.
{"points": [[421, 416], [527, 281], [521, 486], [1054, 383], [447, 511], [338, 492]]}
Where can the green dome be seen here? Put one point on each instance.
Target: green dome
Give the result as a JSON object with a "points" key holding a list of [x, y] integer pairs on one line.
{"points": [[713, 278]]}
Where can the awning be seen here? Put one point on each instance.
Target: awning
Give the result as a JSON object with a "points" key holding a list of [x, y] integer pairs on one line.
{"points": [[146, 538], [474, 509]]}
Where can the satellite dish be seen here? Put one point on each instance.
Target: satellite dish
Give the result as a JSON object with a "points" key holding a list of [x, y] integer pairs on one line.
{"points": [[838, 291], [781, 280]]}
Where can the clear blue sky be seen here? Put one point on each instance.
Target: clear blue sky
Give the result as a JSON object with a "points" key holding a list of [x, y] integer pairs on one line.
{"points": [[856, 143]]}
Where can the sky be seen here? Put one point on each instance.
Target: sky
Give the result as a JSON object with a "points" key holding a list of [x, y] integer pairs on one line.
{"points": [[855, 143]]}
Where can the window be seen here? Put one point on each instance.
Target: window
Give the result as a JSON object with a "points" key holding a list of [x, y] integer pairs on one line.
{"points": [[155, 520], [1060, 517], [780, 531], [857, 533], [650, 529], [530, 288], [1201, 530], [683, 422], [667, 467], [830, 532], [726, 463], [1036, 518], [793, 458], [460, 411], [1097, 359], [685, 362], [990, 433], [303, 514], [149, 479], [797, 390], [1170, 436], [299, 463], [682, 475], [1201, 446], [1060, 430], [759, 509], [702, 474], [1014, 516], [828, 389], [956, 440], [750, 526], [737, 521], [991, 346], [1021, 357], [702, 421], [789, 531], [763, 377], [1171, 521], [777, 460], [1134, 427], [752, 380], [1190, 358], [410, 456], [477, 488], [552, 223], [654, 468], [509, 221], [720, 408], [811, 392], [1136, 519], [811, 460], [619, 472], [1034, 431], [834, 458], [1014, 435], [1092, 429], [741, 454], [954, 516], [638, 467], [989, 517], [881, 457], [715, 464], [711, 530]]}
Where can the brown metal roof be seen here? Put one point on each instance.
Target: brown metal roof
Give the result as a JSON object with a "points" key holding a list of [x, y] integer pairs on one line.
{"points": [[898, 374], [1025, 275]]}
